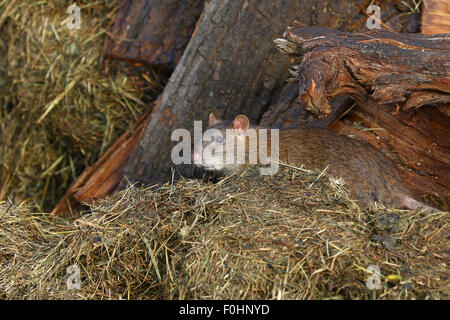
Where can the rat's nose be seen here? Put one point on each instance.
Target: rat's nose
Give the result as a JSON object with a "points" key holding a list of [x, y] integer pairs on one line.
{"points": [[197, 157]]}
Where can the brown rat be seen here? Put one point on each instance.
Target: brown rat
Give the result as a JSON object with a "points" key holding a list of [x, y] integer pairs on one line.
{"points": [[367, 174]]}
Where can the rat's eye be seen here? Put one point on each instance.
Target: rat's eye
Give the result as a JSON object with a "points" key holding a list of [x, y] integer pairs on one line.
{"points": [[219, 139]]}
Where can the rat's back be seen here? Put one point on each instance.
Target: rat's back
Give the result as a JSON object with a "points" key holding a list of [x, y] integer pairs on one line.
{"points": [[368, 175]]}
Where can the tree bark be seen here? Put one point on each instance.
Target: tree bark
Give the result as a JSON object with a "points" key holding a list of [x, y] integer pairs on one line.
{"points": [[332, 65], [390, 76], [153, 32], [225, 69], [417, 140], [384, 67]]}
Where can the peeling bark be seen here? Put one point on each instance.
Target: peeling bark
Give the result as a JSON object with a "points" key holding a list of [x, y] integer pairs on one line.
{"points": [[401, 84], [381, 67]]}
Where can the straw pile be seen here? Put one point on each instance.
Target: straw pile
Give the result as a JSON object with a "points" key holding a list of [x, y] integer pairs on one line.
{"points": [[295, 236], [59, 109]]}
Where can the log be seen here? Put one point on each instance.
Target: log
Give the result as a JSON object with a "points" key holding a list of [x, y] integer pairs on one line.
{"points": [[225, 69], [391, 77], [353, 68], [156, 32], [385, 67], [153, 32]]}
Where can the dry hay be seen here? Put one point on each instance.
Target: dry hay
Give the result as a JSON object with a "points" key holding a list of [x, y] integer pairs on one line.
{"points": [[246, 237], [292, 236], [59, 110]]}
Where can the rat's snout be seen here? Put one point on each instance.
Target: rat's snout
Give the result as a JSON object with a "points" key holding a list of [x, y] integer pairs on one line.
{"points": [[197, 157]]}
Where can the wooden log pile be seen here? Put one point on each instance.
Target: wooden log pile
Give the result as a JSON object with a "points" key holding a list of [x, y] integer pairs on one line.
{"points": [[390, 89]]}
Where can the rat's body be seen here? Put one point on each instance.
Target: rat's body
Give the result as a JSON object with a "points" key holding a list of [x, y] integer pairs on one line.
{"points": [[366, 173]]}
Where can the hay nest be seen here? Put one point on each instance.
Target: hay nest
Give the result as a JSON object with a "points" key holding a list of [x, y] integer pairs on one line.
{"points": [[292, 236]]}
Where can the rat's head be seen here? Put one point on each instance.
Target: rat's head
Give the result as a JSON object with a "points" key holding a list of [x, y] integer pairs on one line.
{"points": [[210, 148]]}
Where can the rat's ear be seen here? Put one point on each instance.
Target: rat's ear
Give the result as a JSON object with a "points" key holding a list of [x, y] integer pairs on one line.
{"points": [[212, 120], [241, 124]]}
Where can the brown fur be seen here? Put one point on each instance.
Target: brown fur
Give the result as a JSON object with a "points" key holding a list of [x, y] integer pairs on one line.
{"points": [[367, 174]]}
